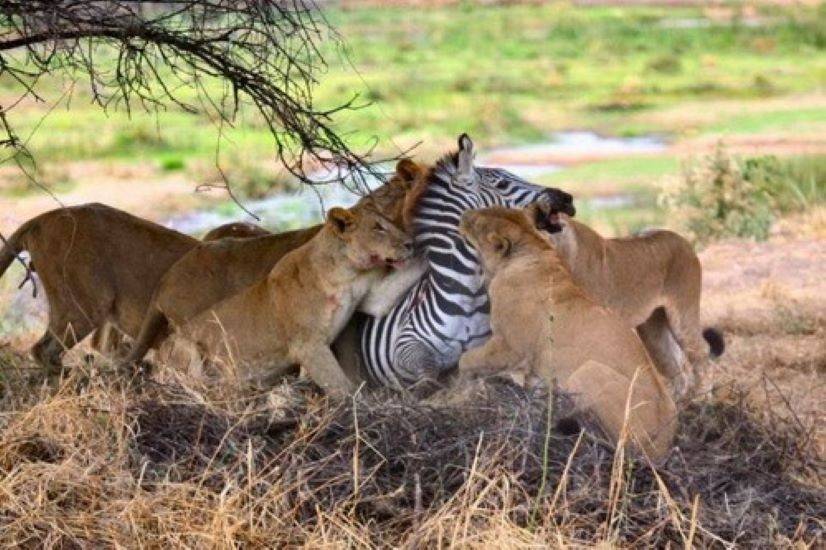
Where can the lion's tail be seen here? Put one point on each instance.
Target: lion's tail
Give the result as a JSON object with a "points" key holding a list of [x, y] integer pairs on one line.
{"points": [[13, 245], [715, 340]]}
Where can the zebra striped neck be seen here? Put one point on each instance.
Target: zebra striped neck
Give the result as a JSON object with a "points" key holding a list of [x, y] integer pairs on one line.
{"points": [[448, 311]]}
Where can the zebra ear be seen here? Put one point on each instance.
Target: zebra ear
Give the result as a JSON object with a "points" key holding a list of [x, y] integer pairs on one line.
{"points": [[465, 174]]}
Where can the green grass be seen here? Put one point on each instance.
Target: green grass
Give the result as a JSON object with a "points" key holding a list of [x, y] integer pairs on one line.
{"points": [[797, 120], [504, 74], [631, 173]]}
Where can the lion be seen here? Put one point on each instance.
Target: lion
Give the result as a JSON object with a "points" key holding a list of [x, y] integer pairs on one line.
{"points": [[214, 271], [109, 340], [294, 314], [544, 324], [653, 281], [98, 266], [236, 230]]}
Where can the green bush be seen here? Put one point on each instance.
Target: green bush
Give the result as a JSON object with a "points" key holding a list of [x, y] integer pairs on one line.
{"points": [[793, 184], [723, 196], [171, 163]]}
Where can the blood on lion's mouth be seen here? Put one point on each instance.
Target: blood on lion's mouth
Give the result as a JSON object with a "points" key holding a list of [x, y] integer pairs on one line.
{"points": [[395, 264]]}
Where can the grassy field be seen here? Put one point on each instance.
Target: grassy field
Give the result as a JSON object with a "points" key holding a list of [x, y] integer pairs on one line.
{"points": [[504, 74]]}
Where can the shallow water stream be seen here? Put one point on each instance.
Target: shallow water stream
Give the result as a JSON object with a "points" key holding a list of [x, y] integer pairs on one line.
{"points": [[291, 210]]}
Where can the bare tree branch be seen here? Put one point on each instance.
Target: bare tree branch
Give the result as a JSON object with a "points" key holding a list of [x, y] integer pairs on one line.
{"points": [[149, 53]]}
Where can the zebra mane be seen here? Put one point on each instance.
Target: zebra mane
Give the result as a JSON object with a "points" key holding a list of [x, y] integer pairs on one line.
{"points": [[440, 173]]}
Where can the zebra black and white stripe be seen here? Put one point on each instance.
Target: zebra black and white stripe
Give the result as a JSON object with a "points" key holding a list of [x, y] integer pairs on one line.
{"points": [[447, 311]]}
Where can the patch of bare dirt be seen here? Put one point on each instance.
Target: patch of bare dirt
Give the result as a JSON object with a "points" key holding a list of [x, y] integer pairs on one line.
{"points": [[769, 299]]}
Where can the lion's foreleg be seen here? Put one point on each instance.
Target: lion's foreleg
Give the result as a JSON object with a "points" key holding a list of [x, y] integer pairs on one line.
{"points": [[493, 356], [319, 364], [389, 290]]}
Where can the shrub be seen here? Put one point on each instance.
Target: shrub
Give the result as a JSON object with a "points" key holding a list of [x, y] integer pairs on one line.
{"points": [[713, 199], [793, 184], [723, 196], [171, 163], [666, 64]]}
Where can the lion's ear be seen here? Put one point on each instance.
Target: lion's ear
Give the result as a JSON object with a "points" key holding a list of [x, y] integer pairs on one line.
{"points": [[408, 171], [501, 245], [340, 219]]}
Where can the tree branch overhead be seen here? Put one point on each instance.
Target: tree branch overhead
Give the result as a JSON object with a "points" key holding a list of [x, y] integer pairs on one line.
{"points": [[153, 54]]}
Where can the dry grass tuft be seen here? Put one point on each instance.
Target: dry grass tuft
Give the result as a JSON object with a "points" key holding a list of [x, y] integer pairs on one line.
{"points": [[85, 463]]}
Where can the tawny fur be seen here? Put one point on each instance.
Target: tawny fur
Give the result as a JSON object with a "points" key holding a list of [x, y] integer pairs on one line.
{"points": [[653, 281], [215, 271], [293, 315], [236, 230], [97, 265], [544, 324], [109, 340]]}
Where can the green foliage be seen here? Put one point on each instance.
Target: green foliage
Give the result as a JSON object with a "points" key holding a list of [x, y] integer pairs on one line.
{"points": [[723, 196], [171, 163], [792, 184], [505, 74]]}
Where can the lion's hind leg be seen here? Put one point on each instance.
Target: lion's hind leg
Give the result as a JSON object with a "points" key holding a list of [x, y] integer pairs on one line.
{"points": [[624, 407], [666, 353], [62, 334], [684, 322]]}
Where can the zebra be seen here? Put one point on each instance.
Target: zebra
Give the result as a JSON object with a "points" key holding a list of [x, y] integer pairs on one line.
{"points": [[447, 311]]}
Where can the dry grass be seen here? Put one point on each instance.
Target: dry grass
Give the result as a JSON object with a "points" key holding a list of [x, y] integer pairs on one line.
{"points": [[84, 462]]}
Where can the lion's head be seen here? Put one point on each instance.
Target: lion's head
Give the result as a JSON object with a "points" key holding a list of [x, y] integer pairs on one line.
{"points": [[499, 234], [370, 239], [389, 199]]}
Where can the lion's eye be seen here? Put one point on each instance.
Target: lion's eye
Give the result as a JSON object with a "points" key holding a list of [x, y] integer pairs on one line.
{"points": [[378, 227]]}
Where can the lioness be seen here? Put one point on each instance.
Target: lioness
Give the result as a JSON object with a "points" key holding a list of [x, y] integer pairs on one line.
{"points": [[544, 324], [214, 271], [108, 339], [237, 230], [98, 265], [653, 281], [294, 314]]}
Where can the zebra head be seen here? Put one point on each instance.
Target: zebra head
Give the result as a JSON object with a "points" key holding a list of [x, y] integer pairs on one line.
{"points": [[455, 185]]}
